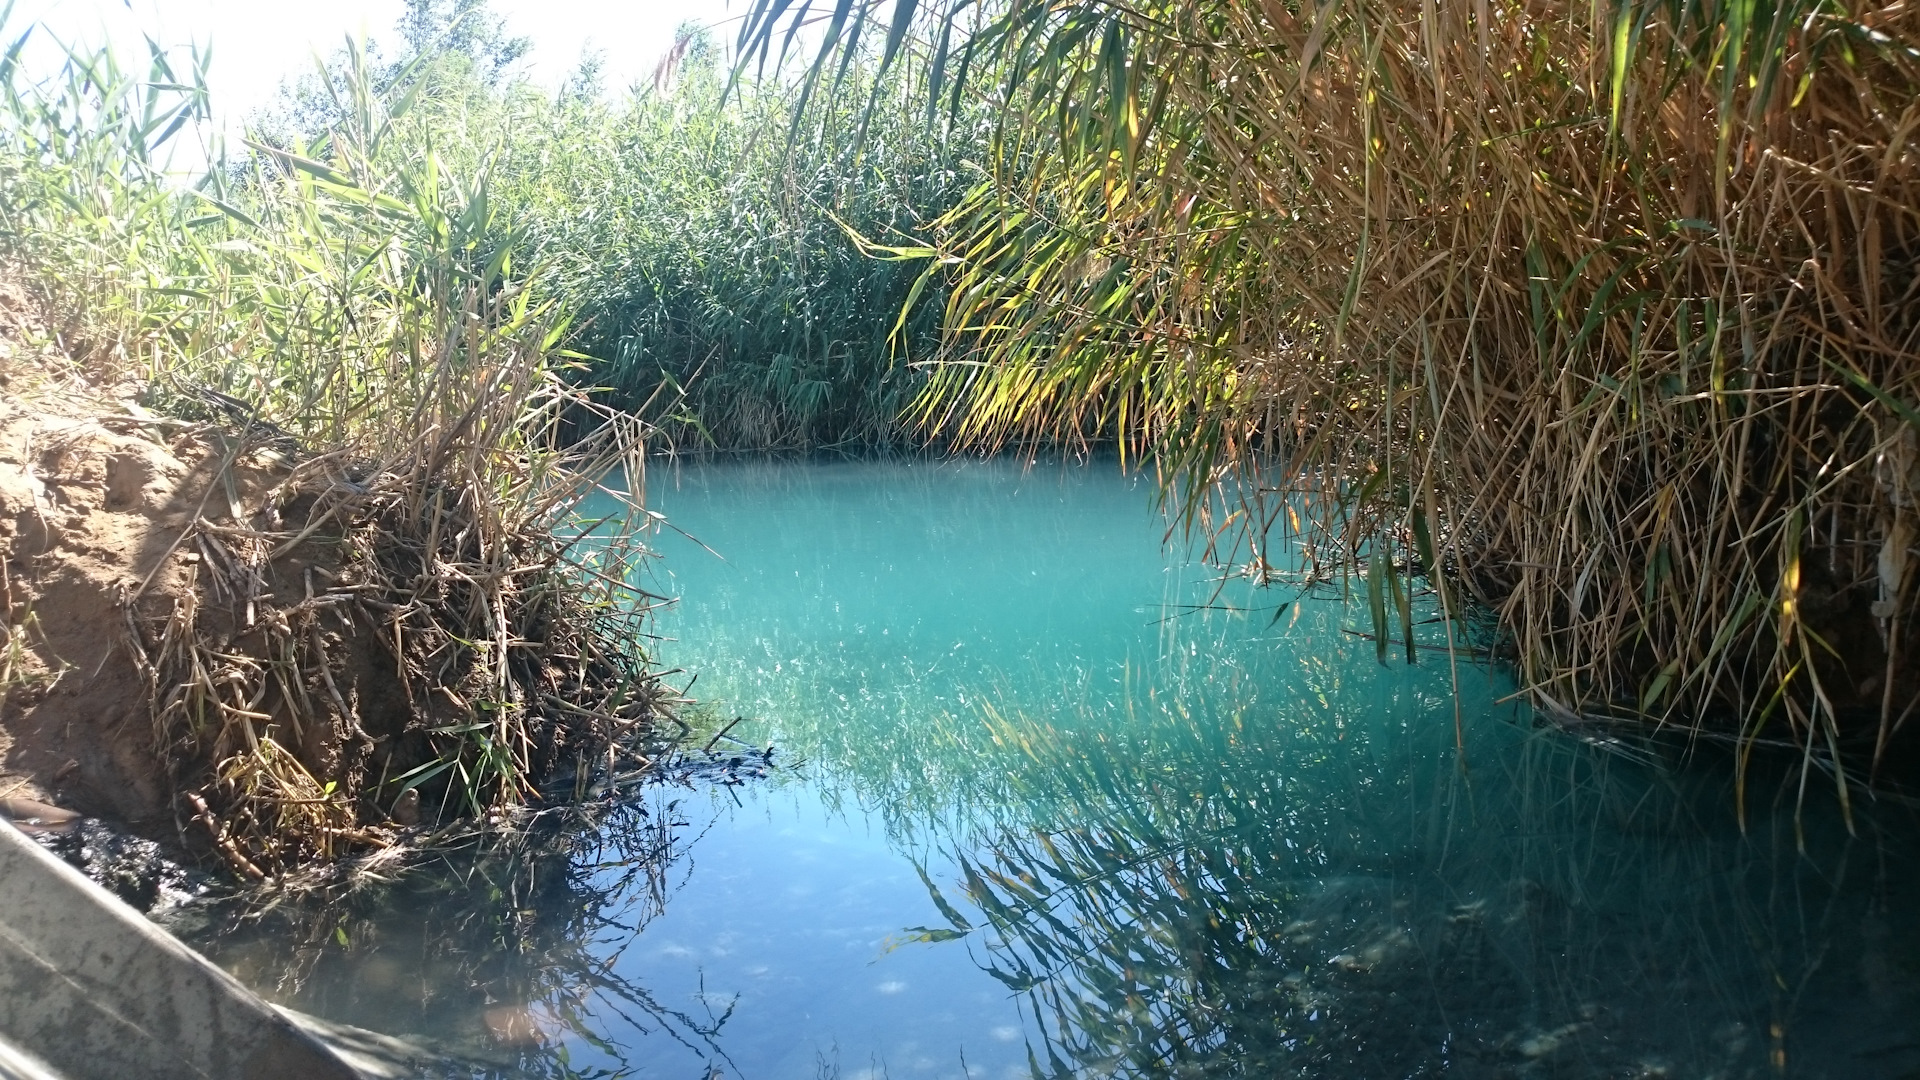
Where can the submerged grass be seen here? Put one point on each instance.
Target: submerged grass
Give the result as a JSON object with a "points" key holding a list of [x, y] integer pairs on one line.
{"points": [[1192, 900], [1602, 317], [389, 620]]}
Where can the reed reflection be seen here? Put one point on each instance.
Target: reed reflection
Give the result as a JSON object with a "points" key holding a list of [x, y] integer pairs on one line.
{"points": [[501, 962], [1316, 885], [1199, 828]]}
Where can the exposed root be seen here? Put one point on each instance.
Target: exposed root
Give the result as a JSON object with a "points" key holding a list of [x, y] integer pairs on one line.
{"points": [[364, 629]]}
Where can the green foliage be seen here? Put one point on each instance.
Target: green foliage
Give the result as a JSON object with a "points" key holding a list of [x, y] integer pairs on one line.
{"points": [[709, 243], [714, 261], [362, 302], [462, 28], [706, 241], [80, 185], [454, 46], [311, 285]]}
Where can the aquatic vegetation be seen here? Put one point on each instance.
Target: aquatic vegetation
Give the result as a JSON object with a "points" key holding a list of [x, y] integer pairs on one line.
{"points": [[1190, 838], [1601, 317], [709, 257], [1281, 893], [699, 233]]}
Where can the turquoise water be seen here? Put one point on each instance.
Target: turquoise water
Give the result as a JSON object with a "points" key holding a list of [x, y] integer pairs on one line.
{"points": [[1049, 797]]}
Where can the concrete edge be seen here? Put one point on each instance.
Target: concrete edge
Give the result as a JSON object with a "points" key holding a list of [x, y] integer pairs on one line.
{"points": [[89, 987], [17, 1064]]}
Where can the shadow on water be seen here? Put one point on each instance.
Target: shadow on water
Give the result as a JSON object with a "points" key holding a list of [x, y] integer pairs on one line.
{"points": [[1202, 905], [499, 960]]}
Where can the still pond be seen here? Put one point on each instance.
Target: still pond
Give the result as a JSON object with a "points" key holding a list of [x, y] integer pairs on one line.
{"points": [[1048, 796]]}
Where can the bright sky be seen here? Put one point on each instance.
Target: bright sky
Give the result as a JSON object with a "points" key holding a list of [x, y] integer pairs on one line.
{"points": [[259, 43]]}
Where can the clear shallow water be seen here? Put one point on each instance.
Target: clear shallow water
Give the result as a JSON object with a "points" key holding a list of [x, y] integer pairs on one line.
{"points": [[1049, 800]]}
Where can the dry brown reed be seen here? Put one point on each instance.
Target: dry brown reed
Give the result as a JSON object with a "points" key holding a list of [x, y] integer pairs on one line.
{"points": [[407, 628], [1609, 311], [1637, 349]]}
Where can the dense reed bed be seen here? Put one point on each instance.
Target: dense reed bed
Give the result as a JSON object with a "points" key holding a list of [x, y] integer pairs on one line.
{"points": [[1602, 317], [378, 613], [699, 232], [705, 237]]}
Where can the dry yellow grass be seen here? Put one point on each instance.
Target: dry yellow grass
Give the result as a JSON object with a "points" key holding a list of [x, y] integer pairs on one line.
{"points": [[1611, 311]]}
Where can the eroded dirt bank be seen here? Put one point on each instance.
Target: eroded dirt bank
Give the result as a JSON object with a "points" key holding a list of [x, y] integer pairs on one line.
{"points": [[265, 656], [94, 498], [97, 502]]}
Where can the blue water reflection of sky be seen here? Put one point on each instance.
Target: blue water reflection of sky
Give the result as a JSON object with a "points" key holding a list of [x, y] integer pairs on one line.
{"points": [[787, 916]]}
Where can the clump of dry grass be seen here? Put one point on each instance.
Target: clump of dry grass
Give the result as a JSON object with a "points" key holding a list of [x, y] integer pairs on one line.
{"points": [[1632, 339], [410, 629], [1611, 313], [391, 616]]}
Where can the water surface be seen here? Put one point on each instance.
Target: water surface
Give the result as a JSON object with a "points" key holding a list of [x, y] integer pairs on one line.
{"points": [[1048, 797]]}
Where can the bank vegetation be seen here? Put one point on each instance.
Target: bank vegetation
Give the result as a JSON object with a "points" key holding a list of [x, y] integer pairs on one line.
{"points": [[1602, 318], [1599, 321], [336, 423]]}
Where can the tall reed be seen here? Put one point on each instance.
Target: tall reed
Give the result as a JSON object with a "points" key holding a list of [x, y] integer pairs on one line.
{"points": [[405, 607], [704, 253], [1604, 317]]}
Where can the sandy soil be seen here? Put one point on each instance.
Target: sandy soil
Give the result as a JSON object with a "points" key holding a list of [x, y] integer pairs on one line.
{"points": [[248, 650], [94, 494]]}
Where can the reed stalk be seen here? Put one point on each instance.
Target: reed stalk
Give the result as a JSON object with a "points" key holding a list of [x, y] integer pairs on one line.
{"points": [[1604, 318]]}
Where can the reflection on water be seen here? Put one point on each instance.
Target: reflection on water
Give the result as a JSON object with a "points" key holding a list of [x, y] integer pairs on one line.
{"points": [[498, 955], [1058, 803], [1208, 908]]}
